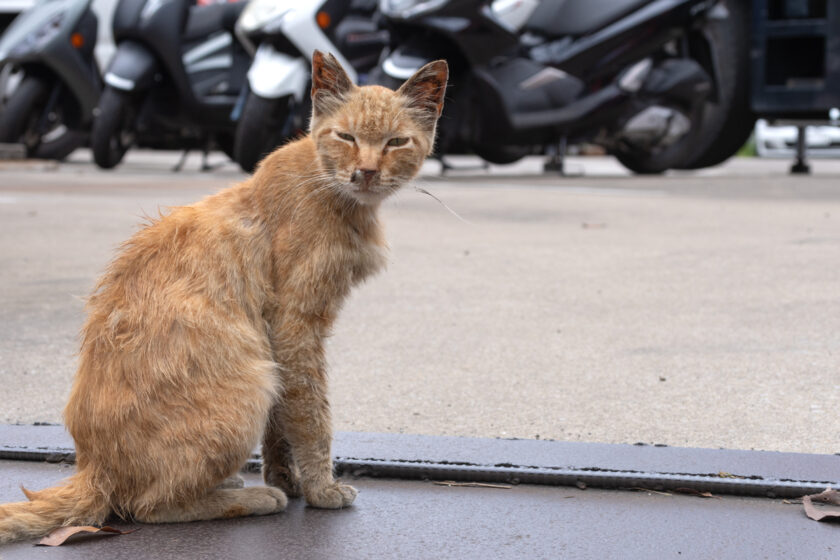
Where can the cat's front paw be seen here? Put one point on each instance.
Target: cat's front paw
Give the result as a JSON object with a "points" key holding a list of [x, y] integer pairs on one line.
{"points": [[333, 496], [234, 481], [285, 478]]}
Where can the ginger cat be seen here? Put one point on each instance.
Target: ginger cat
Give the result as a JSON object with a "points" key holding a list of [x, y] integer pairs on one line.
{"points": [[207, 330]]}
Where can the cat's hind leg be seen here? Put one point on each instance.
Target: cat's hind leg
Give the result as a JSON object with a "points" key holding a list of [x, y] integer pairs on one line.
{"points": [[220, 504], [279, 466]]}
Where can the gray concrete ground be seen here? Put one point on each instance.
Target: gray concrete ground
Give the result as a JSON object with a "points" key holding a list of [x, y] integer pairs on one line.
{"points": [[696, 310]]}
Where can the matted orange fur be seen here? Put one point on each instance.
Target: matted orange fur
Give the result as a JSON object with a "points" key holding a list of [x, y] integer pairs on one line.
{"points": [[207, 330]]}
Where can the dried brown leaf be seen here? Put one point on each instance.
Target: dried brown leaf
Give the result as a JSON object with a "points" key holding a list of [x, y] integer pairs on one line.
{"points": [[828, 496], [62, 534], [698, 493]]}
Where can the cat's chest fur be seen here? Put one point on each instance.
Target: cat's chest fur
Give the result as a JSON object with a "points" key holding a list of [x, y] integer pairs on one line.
{"points": [[346, 257], [315, 272]]}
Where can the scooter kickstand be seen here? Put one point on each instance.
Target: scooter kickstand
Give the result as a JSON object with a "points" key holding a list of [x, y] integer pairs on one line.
{"points": [[180, 165], [205, 166], [556, 160], [800, 165]]}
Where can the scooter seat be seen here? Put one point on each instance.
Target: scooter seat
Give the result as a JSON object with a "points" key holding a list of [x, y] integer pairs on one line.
{"points": [[206, 20]]}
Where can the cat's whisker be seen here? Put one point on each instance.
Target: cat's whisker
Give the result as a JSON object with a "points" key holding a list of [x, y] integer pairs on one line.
{"points": [[308, 178], [453, 212]]}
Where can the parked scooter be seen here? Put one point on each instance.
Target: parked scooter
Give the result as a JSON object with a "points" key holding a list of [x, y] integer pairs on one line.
{"points": [[282, 34], [659, 83], [49, 80], [174, 81]]}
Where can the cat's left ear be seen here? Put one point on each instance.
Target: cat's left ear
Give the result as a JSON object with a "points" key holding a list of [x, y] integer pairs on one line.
{"points": [[427, 87], [330, 83]]}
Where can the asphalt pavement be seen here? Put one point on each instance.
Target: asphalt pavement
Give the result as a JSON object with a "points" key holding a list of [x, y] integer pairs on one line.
{"points": [[425, 521], [694, 309]]}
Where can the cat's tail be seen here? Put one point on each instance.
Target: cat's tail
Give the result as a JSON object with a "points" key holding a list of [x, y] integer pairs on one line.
{"points": [[76, 502]]}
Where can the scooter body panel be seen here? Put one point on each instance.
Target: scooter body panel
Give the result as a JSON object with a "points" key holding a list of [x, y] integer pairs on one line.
{"points": [[603, 51], [405, 60], [578, 17], [40, 25], [157, 26], [274, 74], [203, 70], [468, 25], [514, 13], [300, 26], [133, 67]]}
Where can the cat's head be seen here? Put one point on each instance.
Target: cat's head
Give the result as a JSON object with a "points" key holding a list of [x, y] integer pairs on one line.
{"points": [[372, 140]]}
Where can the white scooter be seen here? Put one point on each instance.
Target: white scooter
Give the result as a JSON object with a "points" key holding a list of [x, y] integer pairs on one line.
{"points": [[282, 34]]}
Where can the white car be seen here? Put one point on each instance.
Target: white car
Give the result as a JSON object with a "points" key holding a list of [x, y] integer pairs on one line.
{"points": [[780, 141]]}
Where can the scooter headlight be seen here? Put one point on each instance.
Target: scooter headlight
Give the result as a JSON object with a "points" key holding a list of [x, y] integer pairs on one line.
{"points": [[259, 13], [407, 9]]}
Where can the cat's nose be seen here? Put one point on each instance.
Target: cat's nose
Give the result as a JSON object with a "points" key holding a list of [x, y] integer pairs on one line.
{"points": [[364, 175]]}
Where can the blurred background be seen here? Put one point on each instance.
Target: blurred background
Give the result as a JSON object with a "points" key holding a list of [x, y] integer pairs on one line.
{"points": [[659, 84], [644, 257]]}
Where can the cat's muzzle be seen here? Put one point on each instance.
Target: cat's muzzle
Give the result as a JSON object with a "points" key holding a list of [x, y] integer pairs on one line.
{"points": [[363, 177]]}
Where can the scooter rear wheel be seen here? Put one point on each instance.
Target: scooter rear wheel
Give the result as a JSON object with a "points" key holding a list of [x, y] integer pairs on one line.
{"points": [[23, 120], [728, 124], [724, 124], [113, 128]]}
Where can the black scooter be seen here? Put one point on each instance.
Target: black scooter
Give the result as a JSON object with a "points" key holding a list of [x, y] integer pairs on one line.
{"points": [[49, 81], [174, 81], [659, 83]]}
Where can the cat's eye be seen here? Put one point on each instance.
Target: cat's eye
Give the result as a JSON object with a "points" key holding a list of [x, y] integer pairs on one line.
{"points": [[396, 142], [345, 136]]}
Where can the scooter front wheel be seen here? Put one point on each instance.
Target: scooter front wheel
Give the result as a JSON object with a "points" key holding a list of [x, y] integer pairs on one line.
{"points": [[26, 119], [262, 127], [113, 128]]}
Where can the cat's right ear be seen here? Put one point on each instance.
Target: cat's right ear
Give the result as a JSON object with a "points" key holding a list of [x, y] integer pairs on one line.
{"points": [[330, 84], [425, 91]]}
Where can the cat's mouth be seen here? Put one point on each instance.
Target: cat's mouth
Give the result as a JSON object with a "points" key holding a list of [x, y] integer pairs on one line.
{"points": [[366, 190], [366, 194]]}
